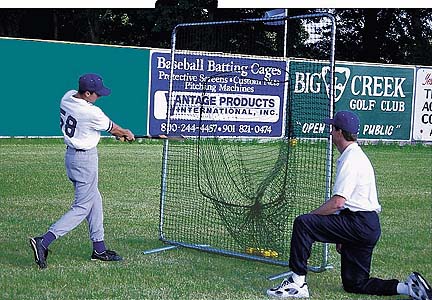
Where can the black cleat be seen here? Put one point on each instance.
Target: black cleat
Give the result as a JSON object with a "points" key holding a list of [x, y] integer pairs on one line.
{"points": [[39, 251], [107, 255]]}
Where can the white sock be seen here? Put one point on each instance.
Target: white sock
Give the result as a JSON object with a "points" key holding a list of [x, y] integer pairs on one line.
{"points": [[402, 288], [299, 279]]}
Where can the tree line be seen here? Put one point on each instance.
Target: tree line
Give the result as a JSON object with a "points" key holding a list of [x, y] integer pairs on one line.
{"points": [[399, 36]]}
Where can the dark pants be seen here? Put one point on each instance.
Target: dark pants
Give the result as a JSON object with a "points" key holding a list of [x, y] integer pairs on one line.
{"points": [[358, 232]]}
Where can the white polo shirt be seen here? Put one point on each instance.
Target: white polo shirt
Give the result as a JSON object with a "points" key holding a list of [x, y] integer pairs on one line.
{"points": [[355, 180], [81, 122]]}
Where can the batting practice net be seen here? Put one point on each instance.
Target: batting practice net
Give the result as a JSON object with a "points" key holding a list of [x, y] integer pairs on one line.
{"points": [[257, 153]]}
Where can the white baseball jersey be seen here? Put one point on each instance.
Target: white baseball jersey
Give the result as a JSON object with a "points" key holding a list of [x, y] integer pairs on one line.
{"points": [[81, 122], [355, 180]]}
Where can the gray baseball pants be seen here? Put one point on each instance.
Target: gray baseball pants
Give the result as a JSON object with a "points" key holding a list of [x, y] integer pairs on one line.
{"points": [[82, 170]]}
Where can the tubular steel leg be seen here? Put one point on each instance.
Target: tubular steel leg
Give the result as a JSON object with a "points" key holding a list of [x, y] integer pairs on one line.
{"points": [[159, 249]]}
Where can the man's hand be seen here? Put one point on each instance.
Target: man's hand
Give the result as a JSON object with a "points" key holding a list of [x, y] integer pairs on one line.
{"points": [[129, 136], [122, 133]]}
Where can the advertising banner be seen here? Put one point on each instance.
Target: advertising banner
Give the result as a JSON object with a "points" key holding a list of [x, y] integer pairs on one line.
{"points": [[217, 94], [422, 120], [382, 96], [309, 99]]}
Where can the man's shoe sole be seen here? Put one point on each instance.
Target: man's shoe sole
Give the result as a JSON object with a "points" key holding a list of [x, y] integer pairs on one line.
{"points": [[423, 286], [97, 259]]}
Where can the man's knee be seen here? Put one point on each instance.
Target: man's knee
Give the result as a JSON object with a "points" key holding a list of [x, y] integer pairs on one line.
{"points": [[356, 287], [81, 209], [301, 221]]}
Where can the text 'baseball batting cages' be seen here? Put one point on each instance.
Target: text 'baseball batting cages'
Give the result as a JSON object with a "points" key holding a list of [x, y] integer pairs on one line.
{"points": [[258, 153]]}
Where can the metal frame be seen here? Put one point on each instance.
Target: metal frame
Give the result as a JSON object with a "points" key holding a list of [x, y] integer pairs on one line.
{"points": [[329, 151]]}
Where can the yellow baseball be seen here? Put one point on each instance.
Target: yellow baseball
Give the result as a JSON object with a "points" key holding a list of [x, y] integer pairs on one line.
{"points": [[274, 254]]}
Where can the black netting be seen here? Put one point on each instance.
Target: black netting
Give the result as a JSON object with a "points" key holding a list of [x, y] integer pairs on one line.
{"points": [[235, 194]]}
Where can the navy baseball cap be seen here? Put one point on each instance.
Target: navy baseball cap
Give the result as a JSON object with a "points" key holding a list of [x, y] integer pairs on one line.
{"points": [[345, 120], [93, 83]]}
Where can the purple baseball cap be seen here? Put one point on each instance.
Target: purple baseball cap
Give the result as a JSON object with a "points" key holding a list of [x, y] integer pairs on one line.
{"points": [[93, 83], [345, 120]]}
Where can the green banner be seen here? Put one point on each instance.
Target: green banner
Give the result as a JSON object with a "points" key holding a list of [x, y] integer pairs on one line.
{"points": [[382, 96], [308, 99]]}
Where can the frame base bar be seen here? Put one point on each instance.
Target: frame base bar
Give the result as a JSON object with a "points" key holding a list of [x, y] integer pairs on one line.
{"points": [[285, 274], [159, 249], [312, 269]]}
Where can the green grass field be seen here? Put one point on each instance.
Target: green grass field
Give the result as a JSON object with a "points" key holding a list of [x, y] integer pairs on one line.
{"points": [[35, 192]]}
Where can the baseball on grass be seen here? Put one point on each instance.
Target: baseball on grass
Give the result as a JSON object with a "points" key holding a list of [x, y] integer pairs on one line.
{"points": [[250, 250], [293, 142], [274, 253]]}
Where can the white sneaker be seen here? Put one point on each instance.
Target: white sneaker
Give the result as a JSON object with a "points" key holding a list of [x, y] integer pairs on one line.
{"points": [[418, 287], [289, 289]]}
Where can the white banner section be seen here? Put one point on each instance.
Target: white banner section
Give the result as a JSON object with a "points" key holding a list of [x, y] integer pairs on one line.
{"points": [[422, 120], [217, 106]]}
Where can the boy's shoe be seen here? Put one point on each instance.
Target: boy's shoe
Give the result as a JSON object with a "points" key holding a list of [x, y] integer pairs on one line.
{"points": [[289, 289], [418, 287], [39, 251], [107, 255]]}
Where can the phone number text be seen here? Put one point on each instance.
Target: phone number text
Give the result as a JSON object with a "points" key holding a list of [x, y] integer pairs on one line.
{"points": [[216, 129]]}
